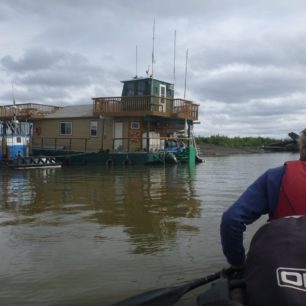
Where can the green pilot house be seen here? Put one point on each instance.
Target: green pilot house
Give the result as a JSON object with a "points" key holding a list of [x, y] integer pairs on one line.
{"points": [[139, 127]]}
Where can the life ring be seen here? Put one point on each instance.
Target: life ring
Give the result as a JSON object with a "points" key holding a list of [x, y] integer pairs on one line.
{"points": [[109, 163], [38, 130]]}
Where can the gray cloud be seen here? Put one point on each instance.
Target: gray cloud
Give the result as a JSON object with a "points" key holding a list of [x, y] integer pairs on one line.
{"points": [[246, 64], [40, 59], [243, 83], [53, 74]]}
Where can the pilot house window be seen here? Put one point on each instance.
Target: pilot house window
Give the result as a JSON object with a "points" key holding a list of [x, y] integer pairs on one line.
{"points": [[130, 89], [141, 88]]}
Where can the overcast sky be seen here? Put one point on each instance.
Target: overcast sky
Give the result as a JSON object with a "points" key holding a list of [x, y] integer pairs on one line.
{"points": [[246, 59]]}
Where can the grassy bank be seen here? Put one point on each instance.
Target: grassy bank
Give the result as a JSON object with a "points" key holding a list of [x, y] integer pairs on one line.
{"points": [[235, 142], [223, 145]]}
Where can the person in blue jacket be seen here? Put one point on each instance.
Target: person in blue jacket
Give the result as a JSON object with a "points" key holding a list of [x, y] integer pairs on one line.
{"points": [[260, 198]]}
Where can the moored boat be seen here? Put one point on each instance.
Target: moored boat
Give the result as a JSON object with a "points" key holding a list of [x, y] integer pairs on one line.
{"points": [[15, 145], [132, 129], [32, 162], [288, 145]]}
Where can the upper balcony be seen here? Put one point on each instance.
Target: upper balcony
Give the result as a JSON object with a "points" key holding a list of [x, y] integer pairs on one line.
{"points": [[26, 111], [128, 106]]}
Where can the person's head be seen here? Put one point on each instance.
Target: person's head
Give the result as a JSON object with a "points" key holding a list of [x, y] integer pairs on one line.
{"points": [[302, 143]]}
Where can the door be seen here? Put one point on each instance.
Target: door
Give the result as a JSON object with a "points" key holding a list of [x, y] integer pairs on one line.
{"points": [[162, 99], [118, 136]]}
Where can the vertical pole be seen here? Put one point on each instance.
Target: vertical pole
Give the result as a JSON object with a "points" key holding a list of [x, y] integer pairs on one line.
{"points": [[153, 60], [136, 62], [186, 74], [102, 142], [174, 55], [191, 148], [148, 135]]}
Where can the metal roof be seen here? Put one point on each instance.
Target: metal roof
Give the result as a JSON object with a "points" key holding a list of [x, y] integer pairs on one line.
{"points": [[73, 111], [144, 78]]}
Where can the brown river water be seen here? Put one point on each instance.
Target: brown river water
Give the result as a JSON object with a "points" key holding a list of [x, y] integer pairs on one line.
{"points": [[93, 236]]}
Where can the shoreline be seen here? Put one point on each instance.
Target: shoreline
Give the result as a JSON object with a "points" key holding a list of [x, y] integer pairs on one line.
{"points": [[206, 150]]}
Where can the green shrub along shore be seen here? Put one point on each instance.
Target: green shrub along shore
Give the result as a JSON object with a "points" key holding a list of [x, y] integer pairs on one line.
{"points": [[222, 145], [235, 142]]}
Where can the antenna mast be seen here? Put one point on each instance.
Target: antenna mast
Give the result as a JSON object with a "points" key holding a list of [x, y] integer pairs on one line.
{"points": [[13, 96], [186, 73], [174, 61], [136, 63], [15, 122], [153, 60]]}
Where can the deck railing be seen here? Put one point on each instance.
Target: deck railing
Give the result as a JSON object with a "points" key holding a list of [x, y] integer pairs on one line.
{"points": [[146, 105], [28, 110], [186, 109], [119, 145], [63, 144]]}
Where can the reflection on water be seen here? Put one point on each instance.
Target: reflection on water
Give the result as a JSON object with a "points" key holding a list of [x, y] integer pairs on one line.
{"points": [[90, 236], [149, 204]]}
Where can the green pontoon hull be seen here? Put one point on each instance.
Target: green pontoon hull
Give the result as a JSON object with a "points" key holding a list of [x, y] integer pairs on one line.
{"points": [[110, 159]]}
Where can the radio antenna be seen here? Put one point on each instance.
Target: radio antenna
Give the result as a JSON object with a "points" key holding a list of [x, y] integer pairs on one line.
{"points": [[186, 74], [174, 61], [153, 59], [136, 62], [13, 96]]}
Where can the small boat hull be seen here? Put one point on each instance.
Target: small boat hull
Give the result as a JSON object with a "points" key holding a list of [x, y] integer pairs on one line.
{"points": [[32, 162]]}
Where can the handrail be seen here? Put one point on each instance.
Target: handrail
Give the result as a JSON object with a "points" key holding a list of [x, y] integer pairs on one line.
{"points": [[29, 110], [112, 106], [83, 144], [147, 104]]}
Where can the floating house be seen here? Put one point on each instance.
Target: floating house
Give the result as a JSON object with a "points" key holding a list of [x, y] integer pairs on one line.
{"points": [[145, 125]]}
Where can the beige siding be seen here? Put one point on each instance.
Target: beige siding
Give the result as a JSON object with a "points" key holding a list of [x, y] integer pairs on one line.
{"points": [[80, 140], [47, 134]]}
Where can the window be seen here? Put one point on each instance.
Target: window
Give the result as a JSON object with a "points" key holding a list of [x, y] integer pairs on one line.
{"points": [[135, 125], [130, 89], [93, 128], [66, 128], [141, 88]]}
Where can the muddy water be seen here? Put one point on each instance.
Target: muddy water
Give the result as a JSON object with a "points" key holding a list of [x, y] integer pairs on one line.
{"points": [[92, 236]]}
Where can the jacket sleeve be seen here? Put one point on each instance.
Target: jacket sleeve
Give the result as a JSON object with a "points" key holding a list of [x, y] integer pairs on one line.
{"points": [[258, 199]]}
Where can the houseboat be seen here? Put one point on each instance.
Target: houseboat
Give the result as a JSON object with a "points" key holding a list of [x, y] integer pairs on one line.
{"points": [[142, 126]]}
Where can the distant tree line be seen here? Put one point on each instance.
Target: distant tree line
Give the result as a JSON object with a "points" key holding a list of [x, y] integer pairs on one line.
{"points": [[235, 142]]}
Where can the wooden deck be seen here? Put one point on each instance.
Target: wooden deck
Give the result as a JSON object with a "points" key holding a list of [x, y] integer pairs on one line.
{"points": [[26, 111], [136, 106], [144, 106]]}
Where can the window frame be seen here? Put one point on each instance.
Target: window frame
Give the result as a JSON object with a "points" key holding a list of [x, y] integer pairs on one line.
{"points": [[135, 125], [66, 123], [93, 129]]}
